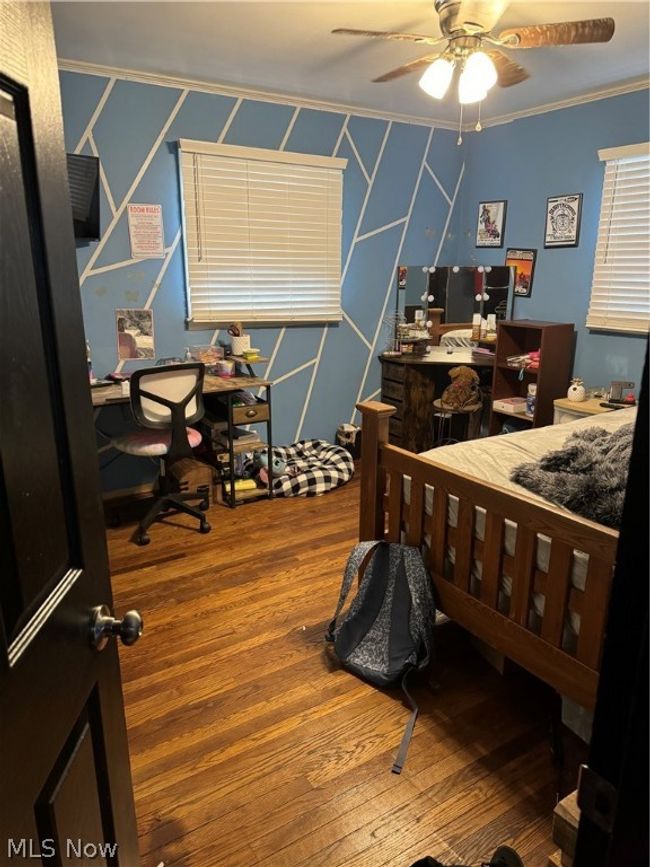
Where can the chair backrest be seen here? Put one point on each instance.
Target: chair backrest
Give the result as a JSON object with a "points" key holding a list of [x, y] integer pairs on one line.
{"points": [[161, 395]]}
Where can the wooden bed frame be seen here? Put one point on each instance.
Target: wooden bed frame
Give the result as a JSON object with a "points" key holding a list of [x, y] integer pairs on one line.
{"points": [[385, 515], [438, 328]]}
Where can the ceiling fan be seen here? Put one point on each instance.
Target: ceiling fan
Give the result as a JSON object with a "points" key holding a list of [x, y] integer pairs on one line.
{"points": [[466, 27]]}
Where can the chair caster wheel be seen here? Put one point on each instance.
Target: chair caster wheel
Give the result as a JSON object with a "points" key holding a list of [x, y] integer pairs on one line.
{"points": [[205, 527], [143, 539], [204, 505]]}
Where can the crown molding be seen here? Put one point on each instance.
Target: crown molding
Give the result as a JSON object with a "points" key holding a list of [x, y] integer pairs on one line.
{"points": [[164, 80], [630, 86], [237, 91]]}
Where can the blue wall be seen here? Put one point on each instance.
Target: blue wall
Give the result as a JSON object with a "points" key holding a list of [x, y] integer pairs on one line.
{"points": [[528, 160], [393, 211]]}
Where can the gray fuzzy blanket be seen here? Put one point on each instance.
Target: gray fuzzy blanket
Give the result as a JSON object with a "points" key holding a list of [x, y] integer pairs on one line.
{"points": [[587, 475]]}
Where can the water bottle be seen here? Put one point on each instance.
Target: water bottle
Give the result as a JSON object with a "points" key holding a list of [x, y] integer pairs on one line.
{"points": [[531, 400]]}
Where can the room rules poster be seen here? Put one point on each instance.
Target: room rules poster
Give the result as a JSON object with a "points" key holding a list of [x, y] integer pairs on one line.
{"points": [[146, 231]]}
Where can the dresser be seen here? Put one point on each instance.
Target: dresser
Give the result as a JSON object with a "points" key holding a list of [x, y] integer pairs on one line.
{"points": [[411, 384]]}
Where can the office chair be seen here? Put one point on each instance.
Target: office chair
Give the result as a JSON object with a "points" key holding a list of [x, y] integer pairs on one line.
{"points": [[164, 401]]}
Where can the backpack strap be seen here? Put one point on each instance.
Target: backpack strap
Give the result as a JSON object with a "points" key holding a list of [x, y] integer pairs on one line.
{"points": [[356, 558], [400, 758]]}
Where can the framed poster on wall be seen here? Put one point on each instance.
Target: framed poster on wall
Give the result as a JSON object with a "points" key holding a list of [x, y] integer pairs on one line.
{"points": [[563, 220], [524, 263], [491, 224]]}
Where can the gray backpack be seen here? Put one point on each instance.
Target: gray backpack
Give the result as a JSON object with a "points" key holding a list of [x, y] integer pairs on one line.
{"points": [[388, 630]]}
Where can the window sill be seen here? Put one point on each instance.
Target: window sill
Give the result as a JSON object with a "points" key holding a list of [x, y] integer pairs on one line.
{"points": [[194, 325]]}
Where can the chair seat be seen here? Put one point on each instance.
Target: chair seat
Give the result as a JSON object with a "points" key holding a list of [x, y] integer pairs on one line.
{"points": [[151, 443]]}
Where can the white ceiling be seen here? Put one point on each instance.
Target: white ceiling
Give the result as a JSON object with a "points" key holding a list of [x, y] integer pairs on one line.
{"points": [[288, 48]]}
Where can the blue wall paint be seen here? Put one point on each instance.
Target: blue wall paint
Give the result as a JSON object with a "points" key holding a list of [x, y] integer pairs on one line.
{"points": [[528, 160], [320, 373]]}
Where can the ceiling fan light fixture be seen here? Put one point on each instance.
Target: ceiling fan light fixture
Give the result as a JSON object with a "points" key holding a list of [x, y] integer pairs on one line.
{"points": [[437, 78], [481, 67], [470, 89]]}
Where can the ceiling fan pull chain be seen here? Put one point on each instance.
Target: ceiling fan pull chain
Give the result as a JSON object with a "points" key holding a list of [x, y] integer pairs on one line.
{"points": [[459, 140], [479, 125]]}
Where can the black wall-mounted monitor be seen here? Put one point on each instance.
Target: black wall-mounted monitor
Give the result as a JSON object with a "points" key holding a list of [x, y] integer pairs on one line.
{"points": [[83, 177]]}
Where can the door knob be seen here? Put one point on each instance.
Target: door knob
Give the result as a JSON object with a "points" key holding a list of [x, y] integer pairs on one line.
{"points": [[104, 626]]}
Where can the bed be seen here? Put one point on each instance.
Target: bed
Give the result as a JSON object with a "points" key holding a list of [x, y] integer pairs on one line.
{"points": [[529, 578]]}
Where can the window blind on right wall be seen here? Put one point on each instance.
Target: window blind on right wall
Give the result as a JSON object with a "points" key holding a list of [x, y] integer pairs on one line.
{"points": [[620, 292]]}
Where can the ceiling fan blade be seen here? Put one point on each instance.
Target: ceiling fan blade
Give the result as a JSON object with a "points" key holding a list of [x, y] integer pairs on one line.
{"points": [[508, 71], [387, 34], [407, 68], [567, 33]]}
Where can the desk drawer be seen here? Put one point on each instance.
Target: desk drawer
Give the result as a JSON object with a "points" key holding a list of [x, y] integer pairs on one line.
{"points": [[392, 390], [251, 414], [390, 370]]}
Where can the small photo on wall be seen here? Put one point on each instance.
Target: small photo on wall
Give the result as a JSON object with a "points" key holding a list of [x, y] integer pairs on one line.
{"points": [[134, 333], [491, 224], [563, 220], [524, 263]]}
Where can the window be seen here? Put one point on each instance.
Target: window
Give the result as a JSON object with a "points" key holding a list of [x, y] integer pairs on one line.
{"points": [[620, 293], [262, 233]]}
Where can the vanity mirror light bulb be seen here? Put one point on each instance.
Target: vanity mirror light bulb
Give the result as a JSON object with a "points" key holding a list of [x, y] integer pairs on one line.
{"points": [[488, 268], [480, 269], [456, 269], [486, 297], [478, 297], [432, 269], [430, 298]]}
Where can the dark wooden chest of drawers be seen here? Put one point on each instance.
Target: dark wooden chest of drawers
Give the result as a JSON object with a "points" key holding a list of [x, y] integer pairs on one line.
{"points": [[411, 387]]}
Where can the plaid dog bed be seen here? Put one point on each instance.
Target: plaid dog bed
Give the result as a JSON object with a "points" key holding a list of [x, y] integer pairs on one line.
{"points": [[313, 467]]}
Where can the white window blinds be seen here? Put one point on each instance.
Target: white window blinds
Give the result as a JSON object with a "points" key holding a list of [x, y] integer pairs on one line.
{"points": [[620, 293], [262, 232]]}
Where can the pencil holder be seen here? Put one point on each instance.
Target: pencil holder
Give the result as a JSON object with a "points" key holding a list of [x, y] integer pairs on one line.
{"points": [[240, 344]]}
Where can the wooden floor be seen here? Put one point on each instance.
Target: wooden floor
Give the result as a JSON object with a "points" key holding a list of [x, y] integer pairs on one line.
{"points": [[250, 746]]}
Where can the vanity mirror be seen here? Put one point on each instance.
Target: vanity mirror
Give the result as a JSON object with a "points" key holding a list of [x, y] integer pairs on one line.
{"points": [[449, 296]]}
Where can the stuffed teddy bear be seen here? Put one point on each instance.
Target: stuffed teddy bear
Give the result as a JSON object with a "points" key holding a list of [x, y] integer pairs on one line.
{"points": [[463, 391]]}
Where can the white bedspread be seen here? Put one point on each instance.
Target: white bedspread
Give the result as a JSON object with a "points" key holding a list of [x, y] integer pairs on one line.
{"points": [[492, 459]]}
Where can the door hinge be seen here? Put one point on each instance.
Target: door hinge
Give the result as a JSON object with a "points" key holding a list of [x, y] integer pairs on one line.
{"points": [[597, 799]]}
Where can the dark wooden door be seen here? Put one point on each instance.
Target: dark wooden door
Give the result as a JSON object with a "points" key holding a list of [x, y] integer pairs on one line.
{"points": [[65, 784]]}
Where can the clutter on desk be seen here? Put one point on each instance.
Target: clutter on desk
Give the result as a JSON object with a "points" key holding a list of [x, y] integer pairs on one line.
{"points": [[225, 368], [252, 354], [239, 340], [206, 354]]}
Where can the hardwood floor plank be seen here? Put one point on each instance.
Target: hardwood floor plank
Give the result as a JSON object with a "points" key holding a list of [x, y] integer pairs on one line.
{"points": [[251, 746]]}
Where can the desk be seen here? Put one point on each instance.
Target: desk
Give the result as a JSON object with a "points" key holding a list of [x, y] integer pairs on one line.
{"points": [[111, 395], [411, 383]]}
